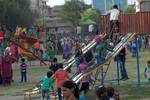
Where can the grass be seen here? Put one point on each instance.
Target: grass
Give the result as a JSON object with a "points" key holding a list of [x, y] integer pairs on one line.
{"points": [[127, 89], [128, 92]]}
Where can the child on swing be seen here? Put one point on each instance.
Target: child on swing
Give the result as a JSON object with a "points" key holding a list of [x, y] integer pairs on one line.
{"points": [[101, 48]]}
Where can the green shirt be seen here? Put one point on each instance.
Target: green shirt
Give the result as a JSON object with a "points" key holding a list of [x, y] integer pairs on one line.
{"points": [[46, 83], [103, 47], [100, 47]]}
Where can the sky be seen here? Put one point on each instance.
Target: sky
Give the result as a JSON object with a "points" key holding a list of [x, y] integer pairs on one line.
{"points": [[60, 2]]}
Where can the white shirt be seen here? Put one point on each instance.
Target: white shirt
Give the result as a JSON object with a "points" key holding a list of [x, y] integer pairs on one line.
{"points": [[78, 29], [137, 6], [114, 14], [91, 28]]}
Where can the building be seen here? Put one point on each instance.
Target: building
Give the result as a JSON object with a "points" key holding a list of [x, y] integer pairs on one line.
{"points": [[40, 8], [49, 17], [57, 24], [144, 5], [104, 5]]}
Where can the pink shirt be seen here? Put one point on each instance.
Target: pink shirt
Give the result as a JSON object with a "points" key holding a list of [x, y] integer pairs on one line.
{"points": [[61, 75], [83, 69]]}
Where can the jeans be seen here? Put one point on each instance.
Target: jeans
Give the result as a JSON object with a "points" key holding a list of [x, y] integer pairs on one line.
{"points": [[123, 71], [133, 51], [99, 59], [59, 94], [23, 76], [45, 93]]}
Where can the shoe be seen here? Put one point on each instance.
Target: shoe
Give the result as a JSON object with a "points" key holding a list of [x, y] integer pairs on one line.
{"points": [[121, 78], [126, 78]]}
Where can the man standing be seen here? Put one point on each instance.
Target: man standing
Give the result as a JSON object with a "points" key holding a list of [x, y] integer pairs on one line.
{"points": [[121, 57], [114, 20]]}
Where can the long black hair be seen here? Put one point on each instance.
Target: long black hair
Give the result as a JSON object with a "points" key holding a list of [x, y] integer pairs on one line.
{"points": [[71, 85]]}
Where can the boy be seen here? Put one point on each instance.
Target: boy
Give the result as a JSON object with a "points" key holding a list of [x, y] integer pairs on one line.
{"points": [[54, 65], [46, 84], [114, 20], [60, 75], [23, 68], [147, 71]]}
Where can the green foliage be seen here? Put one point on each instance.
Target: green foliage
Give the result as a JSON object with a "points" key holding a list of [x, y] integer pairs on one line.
{"points": [[71, 11], [128, 9], [91, 14], [15, 12]]}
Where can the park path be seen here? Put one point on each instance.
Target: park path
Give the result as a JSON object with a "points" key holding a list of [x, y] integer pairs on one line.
{"points": [[9, 97]]}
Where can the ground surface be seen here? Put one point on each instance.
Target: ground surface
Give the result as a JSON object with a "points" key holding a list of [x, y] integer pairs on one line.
{"points": [[127, 89]]}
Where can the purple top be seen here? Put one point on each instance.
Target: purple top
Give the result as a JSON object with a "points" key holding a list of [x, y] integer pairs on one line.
{"points": [[23, 67], [83, 69]]}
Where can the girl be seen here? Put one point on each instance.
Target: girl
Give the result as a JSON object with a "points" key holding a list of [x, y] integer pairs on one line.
{"points": [[85, 81], [70, 90], [60, 76], [147, 71]]}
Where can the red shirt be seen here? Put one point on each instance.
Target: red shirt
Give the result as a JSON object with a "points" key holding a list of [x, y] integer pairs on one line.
{"points": [[61, 75], [1, 36]]}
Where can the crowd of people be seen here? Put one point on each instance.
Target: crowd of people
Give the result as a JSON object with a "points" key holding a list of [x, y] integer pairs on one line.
{"points": [[68, 90], [68, 46]]}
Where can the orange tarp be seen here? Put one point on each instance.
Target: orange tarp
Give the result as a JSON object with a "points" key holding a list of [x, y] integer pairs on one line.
{"points": [[25, 53], [26, 45]]}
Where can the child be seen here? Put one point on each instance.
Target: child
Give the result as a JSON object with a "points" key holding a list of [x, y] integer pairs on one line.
{"points": [[46, 84], [114, 21], [83, 68], [112, 95], [23, 68], [101, 93], [60, 75], [78, 54], [101, 48], [147, 71], [54, 65]]}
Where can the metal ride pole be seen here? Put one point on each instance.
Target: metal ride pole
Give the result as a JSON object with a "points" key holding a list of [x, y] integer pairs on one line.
{"points": [[102, 75], [118, 76], [138, 64]]}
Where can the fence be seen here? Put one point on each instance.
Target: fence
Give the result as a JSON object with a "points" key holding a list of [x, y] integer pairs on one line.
{"points": [[135, 23]]}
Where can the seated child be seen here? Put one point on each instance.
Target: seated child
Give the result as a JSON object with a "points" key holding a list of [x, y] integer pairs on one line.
{"points": [[112, 95], [101, 93], [46, 83], [147, 71], [101, 48], [104, 42], [78, 55]]}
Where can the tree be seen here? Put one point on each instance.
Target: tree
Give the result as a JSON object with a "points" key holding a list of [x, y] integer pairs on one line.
{"points": [[71, 11], [129, 9], [15, 12], [91, 13]]}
